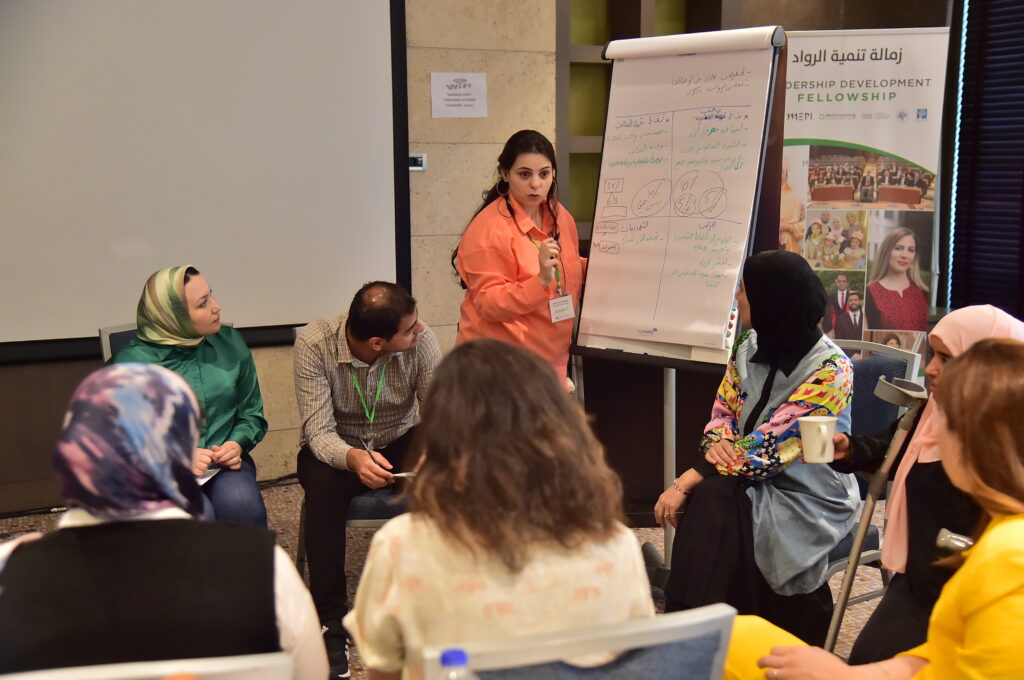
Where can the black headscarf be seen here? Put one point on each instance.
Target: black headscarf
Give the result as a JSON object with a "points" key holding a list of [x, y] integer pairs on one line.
{"points": [[787, 301]]}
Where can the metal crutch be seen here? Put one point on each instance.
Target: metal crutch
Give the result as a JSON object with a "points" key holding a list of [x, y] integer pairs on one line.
{"points": [[902, 393]]}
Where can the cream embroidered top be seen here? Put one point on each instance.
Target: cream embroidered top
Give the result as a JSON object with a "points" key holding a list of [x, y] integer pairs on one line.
{"points": [[420, 588]]}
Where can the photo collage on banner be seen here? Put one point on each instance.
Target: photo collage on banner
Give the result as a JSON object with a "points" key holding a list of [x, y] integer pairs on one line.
{"points": [[863, 119]]}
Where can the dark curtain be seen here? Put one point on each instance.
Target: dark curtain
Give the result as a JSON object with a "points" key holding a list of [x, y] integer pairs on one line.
{"points": [[988, 203]]}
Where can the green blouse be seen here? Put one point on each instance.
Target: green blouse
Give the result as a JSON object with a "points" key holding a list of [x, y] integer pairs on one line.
{"points": [[222, 374]]}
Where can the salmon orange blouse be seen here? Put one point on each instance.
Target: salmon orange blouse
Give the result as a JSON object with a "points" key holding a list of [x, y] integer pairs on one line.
{"points": [[504, 299]]}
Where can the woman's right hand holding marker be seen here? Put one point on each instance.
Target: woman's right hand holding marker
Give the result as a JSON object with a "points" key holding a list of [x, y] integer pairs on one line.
{"points": [[548, 259]]}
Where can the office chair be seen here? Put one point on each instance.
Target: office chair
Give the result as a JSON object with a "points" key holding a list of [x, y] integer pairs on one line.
{"points": [[687, 645]]}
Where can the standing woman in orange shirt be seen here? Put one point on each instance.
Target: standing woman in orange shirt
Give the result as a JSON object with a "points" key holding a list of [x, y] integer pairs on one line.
{"points": [[519, 257]]}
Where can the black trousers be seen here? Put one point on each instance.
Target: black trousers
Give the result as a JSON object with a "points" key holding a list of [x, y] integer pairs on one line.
{"points": [[328, 494], [713, 561], [899, 622]]}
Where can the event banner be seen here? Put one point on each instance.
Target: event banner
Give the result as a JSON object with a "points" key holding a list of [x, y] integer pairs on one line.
{"points": [[863, 122]]}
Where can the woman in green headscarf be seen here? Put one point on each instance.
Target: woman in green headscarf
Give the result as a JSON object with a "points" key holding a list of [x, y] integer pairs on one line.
{"points": [[179, 328]]}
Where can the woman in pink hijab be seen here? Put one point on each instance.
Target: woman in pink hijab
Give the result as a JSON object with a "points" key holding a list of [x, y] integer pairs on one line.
{"points": [[922, 499]]}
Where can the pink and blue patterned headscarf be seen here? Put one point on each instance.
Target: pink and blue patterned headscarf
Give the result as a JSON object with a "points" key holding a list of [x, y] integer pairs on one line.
{"points": [[127, 443]]}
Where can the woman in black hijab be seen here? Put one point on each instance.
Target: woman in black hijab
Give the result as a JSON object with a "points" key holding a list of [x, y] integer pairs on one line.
{"points": [[759, 524]]}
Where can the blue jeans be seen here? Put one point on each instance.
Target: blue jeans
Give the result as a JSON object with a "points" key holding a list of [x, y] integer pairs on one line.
{"points": [[233, 496]]}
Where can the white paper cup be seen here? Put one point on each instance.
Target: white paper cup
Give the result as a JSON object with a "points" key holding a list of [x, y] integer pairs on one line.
{"points": [[816, 434]]}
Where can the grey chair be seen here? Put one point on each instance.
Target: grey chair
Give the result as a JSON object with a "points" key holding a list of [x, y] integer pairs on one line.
{"points": [[113, 338], [687, 645], [368, 510], [871, 415]]}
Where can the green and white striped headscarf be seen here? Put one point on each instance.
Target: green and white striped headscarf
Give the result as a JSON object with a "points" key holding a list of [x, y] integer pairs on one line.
{"points": [[162, 316]]}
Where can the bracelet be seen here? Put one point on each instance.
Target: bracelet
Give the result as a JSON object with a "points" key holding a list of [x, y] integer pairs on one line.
{"points": [[676, 487]]}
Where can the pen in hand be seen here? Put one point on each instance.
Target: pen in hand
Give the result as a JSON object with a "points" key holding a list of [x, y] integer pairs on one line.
{"points": [[369, 450]]}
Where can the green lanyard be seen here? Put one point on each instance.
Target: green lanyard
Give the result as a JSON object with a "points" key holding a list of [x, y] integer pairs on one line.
{"points": [[558, 278], [370, 415]]}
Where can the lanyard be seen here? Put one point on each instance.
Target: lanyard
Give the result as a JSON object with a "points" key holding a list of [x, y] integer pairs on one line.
{"points": [[558, 277], [370, 415]]}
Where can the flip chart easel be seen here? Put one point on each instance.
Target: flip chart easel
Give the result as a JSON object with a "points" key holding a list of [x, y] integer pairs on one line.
{"points": [[682, 167]]}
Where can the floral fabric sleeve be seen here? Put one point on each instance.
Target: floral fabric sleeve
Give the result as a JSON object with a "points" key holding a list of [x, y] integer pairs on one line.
{"points": [[775, 444], [728, 400]]}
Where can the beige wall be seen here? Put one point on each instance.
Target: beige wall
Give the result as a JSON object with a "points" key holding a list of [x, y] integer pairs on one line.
{"points": [[514, 44], [275, 455]]}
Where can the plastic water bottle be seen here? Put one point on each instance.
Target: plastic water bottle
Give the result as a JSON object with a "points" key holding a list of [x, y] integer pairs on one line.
{"points": [[453, 666]]}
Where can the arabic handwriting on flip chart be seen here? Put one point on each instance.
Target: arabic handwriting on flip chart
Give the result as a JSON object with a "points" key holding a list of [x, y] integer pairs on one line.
{"points": [[679, 167], [651, 197]]}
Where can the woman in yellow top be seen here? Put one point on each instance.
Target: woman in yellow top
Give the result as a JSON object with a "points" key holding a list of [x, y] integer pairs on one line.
{"points": [[977, 624]]}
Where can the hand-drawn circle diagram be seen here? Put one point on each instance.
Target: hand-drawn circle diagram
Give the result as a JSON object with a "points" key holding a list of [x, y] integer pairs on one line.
{"points": [[700, 194], [651, 198]]}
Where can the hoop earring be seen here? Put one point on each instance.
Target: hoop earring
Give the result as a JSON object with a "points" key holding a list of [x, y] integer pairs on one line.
{"points": [[497, 187]]}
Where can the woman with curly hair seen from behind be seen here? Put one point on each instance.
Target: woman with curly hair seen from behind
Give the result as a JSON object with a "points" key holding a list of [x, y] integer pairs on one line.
{"points": [[514, 525]]}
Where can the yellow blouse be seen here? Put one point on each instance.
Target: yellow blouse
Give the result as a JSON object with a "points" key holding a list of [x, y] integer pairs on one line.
{"points": [[977, 626], [976, 631]]}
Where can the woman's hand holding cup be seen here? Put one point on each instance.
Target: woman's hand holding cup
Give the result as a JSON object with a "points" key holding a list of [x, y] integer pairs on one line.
{"points": [[841, 442]]}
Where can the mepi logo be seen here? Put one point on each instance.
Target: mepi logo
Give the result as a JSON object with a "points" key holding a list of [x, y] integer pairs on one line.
{"points": [[803, 115], [902, 115], [458, 84], [922, 114]]}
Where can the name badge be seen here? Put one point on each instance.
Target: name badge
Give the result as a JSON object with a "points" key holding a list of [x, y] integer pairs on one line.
{"points": [[561, 308]]}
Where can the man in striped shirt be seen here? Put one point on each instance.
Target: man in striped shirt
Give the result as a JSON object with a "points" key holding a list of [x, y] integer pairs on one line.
{"points": [[359, 378]]}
